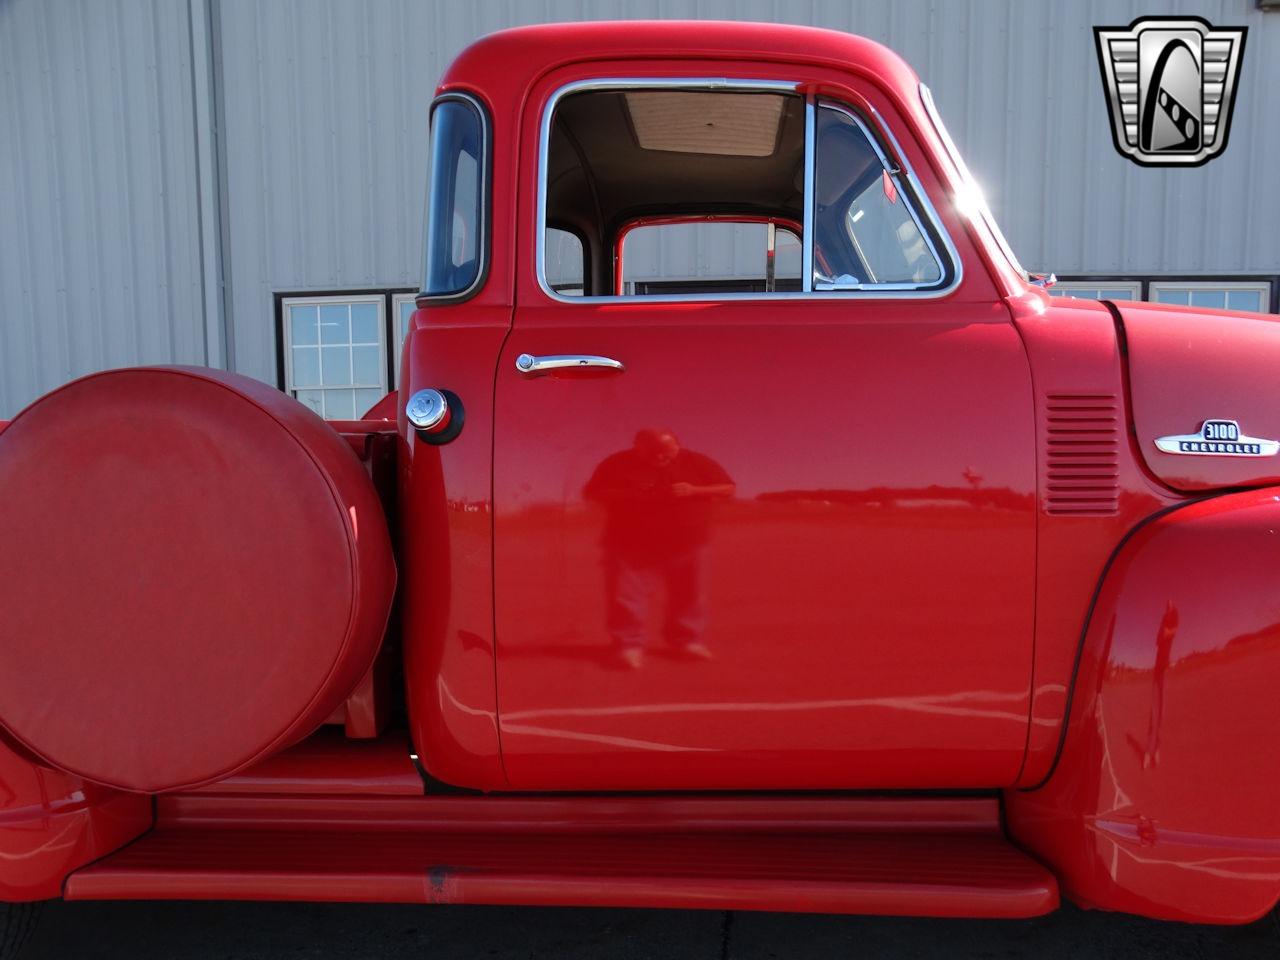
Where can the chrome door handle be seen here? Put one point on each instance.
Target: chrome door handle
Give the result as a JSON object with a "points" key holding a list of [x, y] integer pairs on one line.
{"points": [[532, 366]]}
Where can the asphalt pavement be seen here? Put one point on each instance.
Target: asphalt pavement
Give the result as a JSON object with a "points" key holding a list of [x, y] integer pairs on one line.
{"points": [[248, 931]]}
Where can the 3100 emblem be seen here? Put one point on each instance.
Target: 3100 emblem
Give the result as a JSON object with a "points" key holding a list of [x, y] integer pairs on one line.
{"points": [[1219, 438]]}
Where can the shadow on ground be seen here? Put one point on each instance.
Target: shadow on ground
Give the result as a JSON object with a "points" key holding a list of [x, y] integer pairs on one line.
{"points": [[204, 931]]}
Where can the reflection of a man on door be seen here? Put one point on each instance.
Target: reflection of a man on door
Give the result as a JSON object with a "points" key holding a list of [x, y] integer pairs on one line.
{"points": [[657, 498]]}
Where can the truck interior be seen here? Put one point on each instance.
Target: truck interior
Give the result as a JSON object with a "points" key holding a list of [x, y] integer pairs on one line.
{"points": [[617, 156], [695, 176]]}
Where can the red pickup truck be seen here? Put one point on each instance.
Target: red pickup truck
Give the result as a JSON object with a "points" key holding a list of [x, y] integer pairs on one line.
{"points": [[872, 579]]}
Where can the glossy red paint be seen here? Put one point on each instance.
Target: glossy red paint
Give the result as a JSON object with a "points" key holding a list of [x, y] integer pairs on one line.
{"points": [[901, 856], [903, 509], [1188, 366], [876, 545], [446, 548], [1163, 800], [384, 409], [1093, 489], [916, 516], [367, 709], [182, 656], [330, 763], [52, 823]]}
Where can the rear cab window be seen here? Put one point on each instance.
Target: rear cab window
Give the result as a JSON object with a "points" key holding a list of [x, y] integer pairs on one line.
{"points": [[707, 255], [456, 241]]}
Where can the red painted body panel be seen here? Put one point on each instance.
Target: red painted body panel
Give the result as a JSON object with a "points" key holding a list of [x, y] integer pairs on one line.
{"points": [[52, 823], [1093, 490], [330, 763], [1188, 366], [1164, 799], [825, 587], [446, 550], [922, 857]]}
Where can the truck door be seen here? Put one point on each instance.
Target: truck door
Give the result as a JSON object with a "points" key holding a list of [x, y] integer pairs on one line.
{"points": [[764, 517]]}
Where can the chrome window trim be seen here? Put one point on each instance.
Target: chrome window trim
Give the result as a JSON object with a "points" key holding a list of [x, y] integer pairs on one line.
{"points": [[810, 166], [908, 178], [983, 210], [868, 292], [485, 172]]}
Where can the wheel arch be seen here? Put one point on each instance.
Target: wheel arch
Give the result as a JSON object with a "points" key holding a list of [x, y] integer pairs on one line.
{"points": [[1161, 800]]}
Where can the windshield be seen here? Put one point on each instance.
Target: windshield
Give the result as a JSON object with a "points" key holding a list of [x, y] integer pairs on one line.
{"points": [[974, 203], [455, 215]]}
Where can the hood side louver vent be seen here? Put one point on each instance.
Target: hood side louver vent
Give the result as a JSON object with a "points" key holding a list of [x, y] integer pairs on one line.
{"points": [[1082, 453]]}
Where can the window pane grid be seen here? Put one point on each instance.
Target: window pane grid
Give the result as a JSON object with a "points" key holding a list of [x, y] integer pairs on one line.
{"points": [[1248, 297], [1104, 290], [335, 353]]}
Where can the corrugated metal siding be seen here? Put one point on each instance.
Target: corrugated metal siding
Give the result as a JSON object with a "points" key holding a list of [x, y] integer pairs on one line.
{"points": [[99, 239], [323, 149], [326, 134]]}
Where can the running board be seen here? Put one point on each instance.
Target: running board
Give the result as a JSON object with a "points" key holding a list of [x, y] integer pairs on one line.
{"points": [[902, 856]]}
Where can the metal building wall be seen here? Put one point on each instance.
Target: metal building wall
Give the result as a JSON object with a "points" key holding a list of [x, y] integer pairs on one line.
{"points": [[326, 136], [99, 218], [314, 179]]}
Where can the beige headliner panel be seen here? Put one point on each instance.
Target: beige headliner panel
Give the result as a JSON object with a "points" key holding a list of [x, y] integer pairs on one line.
{"points": [[706, 122]]}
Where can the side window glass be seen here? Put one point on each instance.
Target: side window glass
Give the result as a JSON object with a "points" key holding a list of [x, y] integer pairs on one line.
{"points": [[455, 214], [866, 232], [687, 180], [566, 262], [742, 189], [708, 256]]}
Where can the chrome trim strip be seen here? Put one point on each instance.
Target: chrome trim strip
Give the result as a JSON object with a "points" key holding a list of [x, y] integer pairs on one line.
{"points": [[770, 257], [532, 366], [878, 292], [615, 83], [483, 251], [810, 150], [906, 174]]}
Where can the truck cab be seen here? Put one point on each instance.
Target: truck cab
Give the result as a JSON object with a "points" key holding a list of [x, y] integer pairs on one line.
{"points": [[677, 509], [752, 531]]}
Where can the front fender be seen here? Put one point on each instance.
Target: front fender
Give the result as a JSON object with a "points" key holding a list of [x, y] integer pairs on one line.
{"points": [[1165, 799]]}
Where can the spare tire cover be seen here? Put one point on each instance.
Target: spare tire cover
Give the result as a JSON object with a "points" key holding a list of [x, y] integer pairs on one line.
{"points": [[194, 572]]}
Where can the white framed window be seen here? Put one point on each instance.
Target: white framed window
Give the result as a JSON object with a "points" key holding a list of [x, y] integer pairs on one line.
{"points": [[1100, 290], [335, 352], [1254, 297], [402, 307]]}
